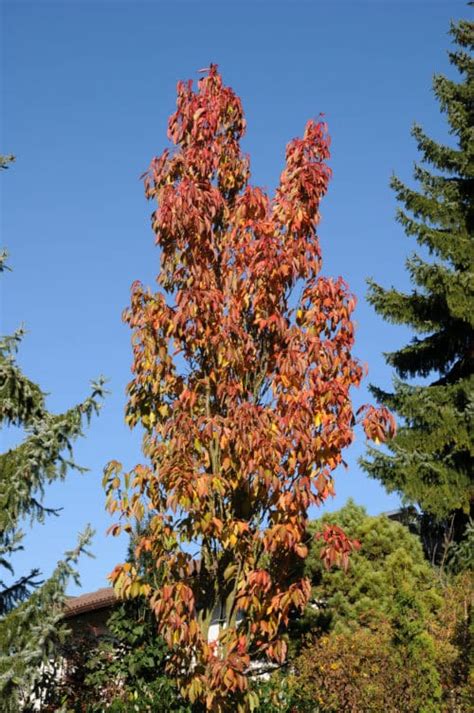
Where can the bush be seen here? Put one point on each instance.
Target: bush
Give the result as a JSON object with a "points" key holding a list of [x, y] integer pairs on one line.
{"points": [[121, 673]]}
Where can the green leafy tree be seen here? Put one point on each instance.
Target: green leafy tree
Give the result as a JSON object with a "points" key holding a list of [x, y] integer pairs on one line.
{"points": [[430, 461], [30, 609]]}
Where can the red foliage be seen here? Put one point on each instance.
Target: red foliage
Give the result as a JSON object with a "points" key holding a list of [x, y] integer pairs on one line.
{"points": [[378, 423], [337, 547], [245, 399]]}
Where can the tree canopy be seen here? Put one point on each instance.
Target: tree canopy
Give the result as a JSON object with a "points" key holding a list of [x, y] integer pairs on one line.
{"points": [[245, 399]]}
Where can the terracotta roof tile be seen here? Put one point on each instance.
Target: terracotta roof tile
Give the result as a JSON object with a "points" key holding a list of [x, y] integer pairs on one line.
{"points": [[91, 601]]}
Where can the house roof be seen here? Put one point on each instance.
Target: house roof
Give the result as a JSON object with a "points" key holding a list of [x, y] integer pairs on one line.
{"points": [[92, 601]]}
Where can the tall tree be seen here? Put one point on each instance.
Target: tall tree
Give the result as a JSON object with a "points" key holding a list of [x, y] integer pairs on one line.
{"points": [[30, 608], [431, 459], [245, 400]]}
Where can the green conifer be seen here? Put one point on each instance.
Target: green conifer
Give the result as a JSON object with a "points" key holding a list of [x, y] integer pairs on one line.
{"points": [[30, 609], [431, 458]]}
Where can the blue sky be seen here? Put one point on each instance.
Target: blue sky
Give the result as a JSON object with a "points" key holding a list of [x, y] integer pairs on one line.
{"points": [[87, 88]]}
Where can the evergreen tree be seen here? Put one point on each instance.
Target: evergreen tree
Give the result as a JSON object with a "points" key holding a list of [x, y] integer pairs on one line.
{"points": [[431, 458], [30, 608], [389, 560]]}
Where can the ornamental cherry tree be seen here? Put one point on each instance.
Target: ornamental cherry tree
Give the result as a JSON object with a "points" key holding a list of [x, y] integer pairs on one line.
{"points": [[243, 392]]}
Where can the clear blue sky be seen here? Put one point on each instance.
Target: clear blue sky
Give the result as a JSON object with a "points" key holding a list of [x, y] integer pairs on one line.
{"points": [[87, 88]]}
